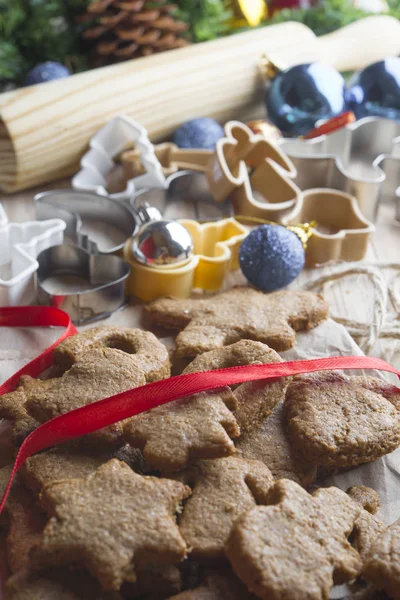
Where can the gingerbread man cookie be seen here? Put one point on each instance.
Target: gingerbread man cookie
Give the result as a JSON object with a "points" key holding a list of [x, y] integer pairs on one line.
{"points": [[240, 313], [334, 421]]}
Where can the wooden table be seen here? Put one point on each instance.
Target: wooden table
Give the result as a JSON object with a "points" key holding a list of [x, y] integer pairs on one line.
{"points": [[352, 297]]}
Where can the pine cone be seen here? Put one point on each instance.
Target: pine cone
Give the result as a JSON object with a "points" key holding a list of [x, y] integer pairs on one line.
{"points": [[124, 29]]}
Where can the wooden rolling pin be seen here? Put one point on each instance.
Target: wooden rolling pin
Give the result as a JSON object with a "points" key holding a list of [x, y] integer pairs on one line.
{"points": [[45, 129]]}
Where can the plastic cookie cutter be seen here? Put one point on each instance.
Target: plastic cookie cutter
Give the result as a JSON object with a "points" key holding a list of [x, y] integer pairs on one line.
{"points": [[171, 157], [216, 250], [20, 243], [88, 287], [187, 194], [341, 231], [96, 223], [254, 173], [362, 159], [98, 162]]}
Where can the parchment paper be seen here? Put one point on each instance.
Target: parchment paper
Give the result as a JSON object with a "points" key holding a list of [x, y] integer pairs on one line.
{"points": [[18, 346]]}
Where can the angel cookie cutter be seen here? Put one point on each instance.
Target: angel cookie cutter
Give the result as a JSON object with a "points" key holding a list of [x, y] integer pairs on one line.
{"points": [[111, 140], [362, 159], [339, 231], [20, 244], [254, 173]]}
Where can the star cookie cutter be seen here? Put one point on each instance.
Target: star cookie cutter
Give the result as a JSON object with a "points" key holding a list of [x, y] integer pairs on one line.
{"points": [[171, 157], [216, 252], [341, 231], [20, 244], [111, 140], [88, 216], [362, 159], [87, 286], [254, 173]]}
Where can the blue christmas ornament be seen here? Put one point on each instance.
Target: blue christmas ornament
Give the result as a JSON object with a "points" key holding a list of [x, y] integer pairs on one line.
{"points": [[198, 133], [375, 91], [299, 97], [47, 71], [271, 256]]}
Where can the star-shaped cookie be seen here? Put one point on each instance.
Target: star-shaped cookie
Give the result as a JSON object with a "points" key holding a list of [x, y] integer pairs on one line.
{"points": [[113, 522], [239, 313]]}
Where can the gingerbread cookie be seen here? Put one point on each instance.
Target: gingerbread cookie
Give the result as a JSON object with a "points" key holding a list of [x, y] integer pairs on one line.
{"points": [[255, 400], [217, 585], [366, 496], [200, 426], [147, 352], [381, 565], [381, 387], [295, 547], [97, 374], [22, 520], [13, 407], [335, 422], [113, 522], [223, 489], [270, 444], [240, 313]]}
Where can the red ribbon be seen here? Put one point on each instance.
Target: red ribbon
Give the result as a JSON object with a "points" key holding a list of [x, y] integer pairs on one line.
{"points": [[106, 412]]}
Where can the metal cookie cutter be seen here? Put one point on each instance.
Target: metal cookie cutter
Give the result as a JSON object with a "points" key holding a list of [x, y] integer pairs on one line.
{"points": [[254, 173], [97, 163], [96, 223], [87, 286], [341, 231], [20, 243], [186, 193], [82, 276], [362, 159]]}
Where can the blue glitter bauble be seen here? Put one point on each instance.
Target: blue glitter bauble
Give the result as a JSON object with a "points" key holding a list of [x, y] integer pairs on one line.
{"points": [[47, 71], [198, 133], [375, 91], [302, 95], [271, 256]]}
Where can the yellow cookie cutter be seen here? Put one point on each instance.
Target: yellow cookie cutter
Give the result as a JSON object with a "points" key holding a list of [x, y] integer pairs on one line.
{"points": [[216, 252]]}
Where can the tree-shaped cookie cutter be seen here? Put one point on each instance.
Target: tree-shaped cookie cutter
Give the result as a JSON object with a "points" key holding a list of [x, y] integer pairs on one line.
{"points": [[254, 173], [362, 159], [111, 140]]}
